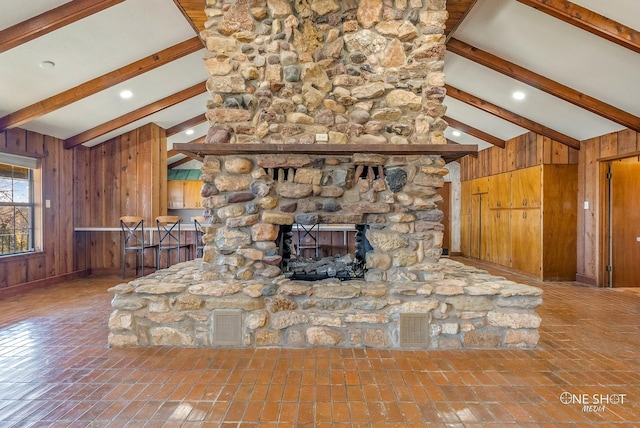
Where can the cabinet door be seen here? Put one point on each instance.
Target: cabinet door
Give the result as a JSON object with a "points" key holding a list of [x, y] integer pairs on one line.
{"points": [[499, 237], [192, 198], [479, 226], [480, 185], [175, 194], [465, 218], [526, 188], [526, 242], [500, 191]]}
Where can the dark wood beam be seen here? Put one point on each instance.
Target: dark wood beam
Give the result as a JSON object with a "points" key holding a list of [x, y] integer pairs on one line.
{"points": [[101, 83], [449, 152], [180, 162], [135, 115], [549, 86], [193, 11], [589, 21], [467, 129], [511, 117], [51, 20], [199, 140], [458, 11], [190, 123]]}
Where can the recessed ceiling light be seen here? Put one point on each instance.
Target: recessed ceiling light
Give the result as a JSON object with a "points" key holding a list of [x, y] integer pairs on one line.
{"points": [[456, 133], [47, 65], [189, 131], [518, 95], [126, 94]]}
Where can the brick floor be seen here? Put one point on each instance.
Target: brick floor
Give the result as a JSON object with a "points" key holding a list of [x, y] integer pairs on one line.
{"points": [[56, 370]]}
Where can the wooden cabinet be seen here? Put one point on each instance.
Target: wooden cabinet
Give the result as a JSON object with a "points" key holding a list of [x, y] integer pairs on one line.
{"points": [[526, 187], [192, 198], [500, 191], [184, 194], [526, 241], [480, 185], [465, 218], [175, 194], [499, 245], [531, 221]]}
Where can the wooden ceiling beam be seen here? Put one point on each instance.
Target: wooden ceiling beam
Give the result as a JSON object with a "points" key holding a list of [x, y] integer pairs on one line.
{"points": [[467, 129], [189, 123], [590, 21], [170, 153], [549, 86], [194, 13], [511, 117], [101, 83], [458, 11], [51, 20], [135, 115]]}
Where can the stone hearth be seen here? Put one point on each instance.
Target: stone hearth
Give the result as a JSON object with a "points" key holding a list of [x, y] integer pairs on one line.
{"points": [[460, 307]]}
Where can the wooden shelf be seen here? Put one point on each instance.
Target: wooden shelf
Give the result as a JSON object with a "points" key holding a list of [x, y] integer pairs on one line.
{"points": [[449, 152]]}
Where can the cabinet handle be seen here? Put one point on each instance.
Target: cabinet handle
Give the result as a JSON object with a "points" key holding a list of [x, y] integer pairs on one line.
{"points": [[524, 214], [498, 215]]}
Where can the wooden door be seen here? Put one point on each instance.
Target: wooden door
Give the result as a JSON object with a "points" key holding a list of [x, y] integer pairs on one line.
{"points": [[479, 226], [526, 187], [445, 207], [625, 223], [465, 218], [526, 242], [500, 191], [499, 237]]}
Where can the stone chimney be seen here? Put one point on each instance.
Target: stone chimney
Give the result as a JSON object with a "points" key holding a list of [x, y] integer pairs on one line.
{"points": [[326, 71]]}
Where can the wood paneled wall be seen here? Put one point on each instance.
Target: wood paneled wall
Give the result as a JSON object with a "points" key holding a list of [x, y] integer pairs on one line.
{"points": [[591, 179], [58, 258], [124, 176], [524, 151]]}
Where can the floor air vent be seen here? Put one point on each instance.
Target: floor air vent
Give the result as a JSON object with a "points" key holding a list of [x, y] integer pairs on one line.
{"points": [[227, 328], [414, 330]]}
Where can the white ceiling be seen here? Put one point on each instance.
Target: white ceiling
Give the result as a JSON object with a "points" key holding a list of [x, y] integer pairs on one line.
{"points": [[134, 29]]}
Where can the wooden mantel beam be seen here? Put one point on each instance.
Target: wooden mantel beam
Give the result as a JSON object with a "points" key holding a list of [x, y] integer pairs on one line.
{"points": [[590, 21], [549, 86], [467, 129], [135, 115], [511, 117], [51, 20], [101, 83]]}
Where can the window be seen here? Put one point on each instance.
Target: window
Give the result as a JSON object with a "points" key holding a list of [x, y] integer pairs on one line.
{"points": [[16, 209]]}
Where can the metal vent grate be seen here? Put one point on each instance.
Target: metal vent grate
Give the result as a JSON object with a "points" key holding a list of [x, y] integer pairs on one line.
{"points": [[227, 327], [414, 330]]}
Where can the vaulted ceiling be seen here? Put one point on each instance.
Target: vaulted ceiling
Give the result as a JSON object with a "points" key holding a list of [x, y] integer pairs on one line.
{"points": [[64, 63]]}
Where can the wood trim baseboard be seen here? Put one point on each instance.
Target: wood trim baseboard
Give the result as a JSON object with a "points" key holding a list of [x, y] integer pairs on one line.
{"points": [[586, 280], [40, 283]]}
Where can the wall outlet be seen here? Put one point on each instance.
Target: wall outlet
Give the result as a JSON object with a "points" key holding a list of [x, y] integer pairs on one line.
{"points": [[322, 137], [47, 203]]}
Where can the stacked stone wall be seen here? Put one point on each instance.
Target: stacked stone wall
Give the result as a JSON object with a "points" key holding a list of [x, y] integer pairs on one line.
{"points": [[463, 307], [326, 71], [247, 199]]}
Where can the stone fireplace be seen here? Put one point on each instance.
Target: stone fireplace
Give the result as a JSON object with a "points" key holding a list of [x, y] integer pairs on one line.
{"points": [[324, 112]]}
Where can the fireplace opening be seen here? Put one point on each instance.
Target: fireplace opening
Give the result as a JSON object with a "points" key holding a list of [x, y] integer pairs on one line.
{"points": [[319, 251]]}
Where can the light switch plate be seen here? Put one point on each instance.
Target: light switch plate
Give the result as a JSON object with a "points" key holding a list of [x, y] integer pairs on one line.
{"points": [[586, 205]]}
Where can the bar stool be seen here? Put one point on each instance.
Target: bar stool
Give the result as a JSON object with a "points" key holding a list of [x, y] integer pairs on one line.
{"points": [[134, 239], [198, 222], [170, 238]]}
